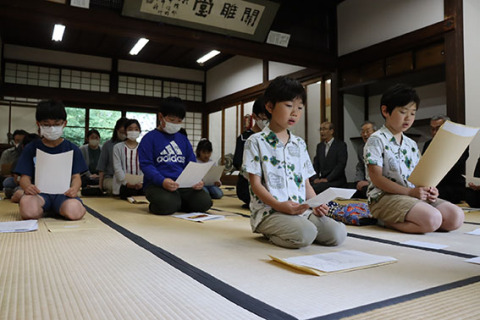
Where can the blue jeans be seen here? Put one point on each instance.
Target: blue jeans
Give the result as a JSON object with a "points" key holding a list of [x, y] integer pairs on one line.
{"points": [[214, 191]]}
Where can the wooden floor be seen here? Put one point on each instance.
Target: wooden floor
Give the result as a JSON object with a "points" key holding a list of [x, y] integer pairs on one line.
{"points": [[121, 262]]}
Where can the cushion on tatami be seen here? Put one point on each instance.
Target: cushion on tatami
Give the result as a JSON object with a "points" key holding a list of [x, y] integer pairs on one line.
{"points": [[229, 251]]}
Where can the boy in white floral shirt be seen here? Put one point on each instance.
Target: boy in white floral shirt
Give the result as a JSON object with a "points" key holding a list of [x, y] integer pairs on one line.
{"points": [[390, 157], [278, 168]]}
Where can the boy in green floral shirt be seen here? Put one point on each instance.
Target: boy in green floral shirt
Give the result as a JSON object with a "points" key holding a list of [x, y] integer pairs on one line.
{"points": [[278, 168], [390, 157]]}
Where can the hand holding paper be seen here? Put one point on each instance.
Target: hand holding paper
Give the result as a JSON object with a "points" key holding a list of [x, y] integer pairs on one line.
{"points": [[329, 195], [193, 174]]}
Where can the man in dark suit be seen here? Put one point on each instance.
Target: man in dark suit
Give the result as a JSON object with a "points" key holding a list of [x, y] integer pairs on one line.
{"points": [[330, 160], [452, 187]]}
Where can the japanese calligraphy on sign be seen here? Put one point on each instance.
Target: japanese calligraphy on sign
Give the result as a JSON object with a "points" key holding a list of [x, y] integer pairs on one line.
{"points": [[235, 17]]}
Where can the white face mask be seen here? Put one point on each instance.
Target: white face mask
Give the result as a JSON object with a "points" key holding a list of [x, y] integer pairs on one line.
{"points": [[51, 133], [93, 143], [133, 135], [262, 124], [172, 128]]}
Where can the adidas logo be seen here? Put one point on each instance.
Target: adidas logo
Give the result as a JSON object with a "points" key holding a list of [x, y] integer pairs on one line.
{"points": [[171, 153]]}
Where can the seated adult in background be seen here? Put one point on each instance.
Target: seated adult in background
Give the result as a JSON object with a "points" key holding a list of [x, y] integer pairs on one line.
{"points": [[452, 187], [125, 162], [164, 153], [472, 195], [361, 183], [330, 160], [105, 163], [11, 185], [261, 120], [91, 153], [11, 155]]}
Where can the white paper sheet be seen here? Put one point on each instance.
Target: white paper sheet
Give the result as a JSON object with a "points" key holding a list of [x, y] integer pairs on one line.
{"points": [[53, 172], [213, 175], [329, 195], [193, 174], [474, 180], [443, 152], [199, 216], [475, 232], [133, 178], [337, 261], [424, 244], [19, 226], [474, 260]]}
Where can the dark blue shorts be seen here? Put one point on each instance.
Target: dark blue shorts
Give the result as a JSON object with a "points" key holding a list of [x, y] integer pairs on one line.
{"points": [[53, 202]]}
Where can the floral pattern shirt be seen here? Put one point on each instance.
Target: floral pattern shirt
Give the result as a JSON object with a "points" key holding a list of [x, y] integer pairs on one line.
{"points": [[283, 169], [397, 160]]}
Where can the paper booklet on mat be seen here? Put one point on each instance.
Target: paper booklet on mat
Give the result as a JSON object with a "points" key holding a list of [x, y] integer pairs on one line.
{"points": [[19, 226], [137, 199], [199, 216], [443, 152], [329, 195], [193, 174], [213, 175], [53, 172], [133, 178], [325, 263]]}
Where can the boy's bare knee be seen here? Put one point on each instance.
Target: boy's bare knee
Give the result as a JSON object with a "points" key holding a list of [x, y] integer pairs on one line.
{"points": [[30, 207], [431, 222], [453, 220], [72, 209]]}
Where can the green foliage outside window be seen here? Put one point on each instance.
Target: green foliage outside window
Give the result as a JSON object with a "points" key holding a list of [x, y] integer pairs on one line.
{"points": [[75, 129], [104, 121]]}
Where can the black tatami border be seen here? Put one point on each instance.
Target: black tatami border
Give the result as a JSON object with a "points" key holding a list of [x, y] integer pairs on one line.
{"points": [[395, 243], [230, 293], [394, 301]]}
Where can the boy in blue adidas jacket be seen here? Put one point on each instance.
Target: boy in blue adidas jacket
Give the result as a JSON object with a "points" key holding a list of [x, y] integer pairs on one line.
{"points": [[164, 153]]}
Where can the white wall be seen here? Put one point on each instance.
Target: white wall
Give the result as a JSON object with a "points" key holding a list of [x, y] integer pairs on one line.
{"points": [[56, 57], [354, 116], [276, 69], [471, 11], [156, 70], [312, 117], [22, 118], [235, 74], [362, 23], [215, 134]]}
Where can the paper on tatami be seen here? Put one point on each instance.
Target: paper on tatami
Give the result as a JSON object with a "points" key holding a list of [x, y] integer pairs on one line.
{"points": [[443, 152]]}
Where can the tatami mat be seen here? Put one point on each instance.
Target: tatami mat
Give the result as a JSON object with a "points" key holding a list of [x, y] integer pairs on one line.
{"points": [[96, 274], [230, 252], [133, 264]]}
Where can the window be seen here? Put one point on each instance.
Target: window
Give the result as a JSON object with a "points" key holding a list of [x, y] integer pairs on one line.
{"points": [[148, 121], [75, 129], [104, 121]]}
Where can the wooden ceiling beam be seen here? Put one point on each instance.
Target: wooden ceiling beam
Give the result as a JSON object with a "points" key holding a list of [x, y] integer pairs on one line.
{"points": [[114, 24]]}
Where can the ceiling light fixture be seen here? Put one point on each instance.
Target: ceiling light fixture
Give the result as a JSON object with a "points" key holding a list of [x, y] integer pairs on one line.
{"points": [[58, 31], [208, 56], [138, 46]]}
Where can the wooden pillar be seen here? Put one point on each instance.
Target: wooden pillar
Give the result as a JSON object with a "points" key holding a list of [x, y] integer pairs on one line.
{"points": [[454, 62]]}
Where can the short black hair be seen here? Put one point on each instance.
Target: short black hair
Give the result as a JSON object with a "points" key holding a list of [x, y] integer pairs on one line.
{"points": [[259, 106], [132, 121], [283, 88], [172, 106], [93, 131], [399, 95], [50, 110], [119, 124], [20, 132], [203, 145]]}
